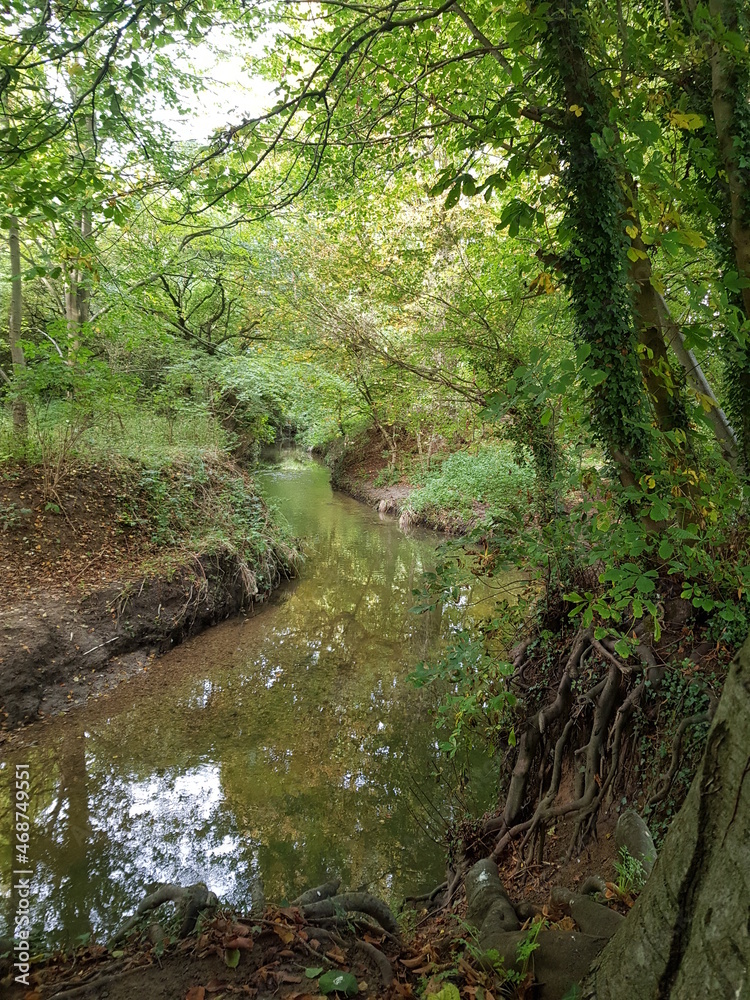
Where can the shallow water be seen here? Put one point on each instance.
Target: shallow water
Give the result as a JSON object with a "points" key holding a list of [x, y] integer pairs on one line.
{"points": [[282, 748]]}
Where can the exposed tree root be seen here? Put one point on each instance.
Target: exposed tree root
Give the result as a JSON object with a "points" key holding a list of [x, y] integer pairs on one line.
{"points": [[315, 895], [95, 983], [191, 902], [700, 718], [357, 902], [583, 730], [376, 958]]}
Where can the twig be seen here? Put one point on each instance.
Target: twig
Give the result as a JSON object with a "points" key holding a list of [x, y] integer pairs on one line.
{"points": [[113, 639]]}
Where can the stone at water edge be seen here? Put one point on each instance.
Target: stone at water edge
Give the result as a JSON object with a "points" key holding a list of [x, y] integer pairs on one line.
{"points": [[633, 834]]}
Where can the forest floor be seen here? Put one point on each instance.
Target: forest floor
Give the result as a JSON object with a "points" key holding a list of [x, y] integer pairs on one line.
{"points": [[285, 953], [94, 587]]}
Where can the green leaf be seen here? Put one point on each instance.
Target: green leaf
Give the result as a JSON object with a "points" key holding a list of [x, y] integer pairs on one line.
{"points": [[448, 992], [312, 973], [659, 510], [622, 648], [232, 958], [593, 376], [338, 982], [582, 353], [666, 549]]}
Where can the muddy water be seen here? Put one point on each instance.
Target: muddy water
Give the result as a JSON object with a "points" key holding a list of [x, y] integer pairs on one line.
{"points": [[277, 749]]}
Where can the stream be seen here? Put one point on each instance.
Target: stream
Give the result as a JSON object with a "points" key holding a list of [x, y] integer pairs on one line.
{"points": [[276, 749]]}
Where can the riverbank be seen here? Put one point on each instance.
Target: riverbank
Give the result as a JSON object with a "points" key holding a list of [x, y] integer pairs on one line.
{"points": [[452, 489], [118, 563]]}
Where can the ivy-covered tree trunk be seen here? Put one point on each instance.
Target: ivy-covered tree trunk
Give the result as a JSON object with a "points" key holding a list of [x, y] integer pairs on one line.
{"points": [[687, 936], [20, 417], [730, 100], [596, 264]]}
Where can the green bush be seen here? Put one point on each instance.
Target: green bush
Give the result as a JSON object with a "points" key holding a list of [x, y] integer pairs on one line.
{"points": [[490, 476]]}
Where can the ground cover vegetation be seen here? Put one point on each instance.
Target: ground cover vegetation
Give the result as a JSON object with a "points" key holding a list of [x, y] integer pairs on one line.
{"points": [[520, 235]]}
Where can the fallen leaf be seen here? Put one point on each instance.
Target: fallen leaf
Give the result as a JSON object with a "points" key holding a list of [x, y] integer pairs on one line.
{"points": [[243, 943], [286, 934], [336, 955], [215, 986], [566, 924], [412, 963], [196, 993], [282, 976]]}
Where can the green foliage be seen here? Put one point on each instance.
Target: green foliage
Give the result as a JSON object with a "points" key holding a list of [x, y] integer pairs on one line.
{"points": [[490, 477], [210, 507], [11, 515], [387, 477], [631, 875], [477, 698], [448, 992], [335, 981]]}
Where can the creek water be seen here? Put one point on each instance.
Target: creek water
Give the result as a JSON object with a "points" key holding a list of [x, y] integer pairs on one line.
{"points": [[277, 749]]}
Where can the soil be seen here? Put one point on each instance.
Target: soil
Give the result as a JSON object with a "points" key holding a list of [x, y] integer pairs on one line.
{"points": [[283, 954], [87, 597]]}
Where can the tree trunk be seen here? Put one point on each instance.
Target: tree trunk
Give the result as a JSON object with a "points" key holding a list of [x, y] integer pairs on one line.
{"points": [[595, 265], [20, 416], [728, 97], [687, 935], [77, 294]]}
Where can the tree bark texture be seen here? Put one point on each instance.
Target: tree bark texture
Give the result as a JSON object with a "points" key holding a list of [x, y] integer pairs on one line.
{"points": [[688, 935], [727, 98], [20, 418]]}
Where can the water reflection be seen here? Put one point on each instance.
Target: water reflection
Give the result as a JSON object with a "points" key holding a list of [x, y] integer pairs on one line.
{"points": [[286, 746]]}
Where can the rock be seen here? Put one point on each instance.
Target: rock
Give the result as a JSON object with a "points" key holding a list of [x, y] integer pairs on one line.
{"points": [[561, 960], [633, 834], [483, 890], [593, 918]]}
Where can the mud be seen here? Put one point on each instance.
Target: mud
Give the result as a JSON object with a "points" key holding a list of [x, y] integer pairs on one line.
{"points": [[56, 651]]}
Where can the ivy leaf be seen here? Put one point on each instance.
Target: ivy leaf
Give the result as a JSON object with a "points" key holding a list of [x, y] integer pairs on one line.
{"points": [[338, 982]]}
